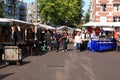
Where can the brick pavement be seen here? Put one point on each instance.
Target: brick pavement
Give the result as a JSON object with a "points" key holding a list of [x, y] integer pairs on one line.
{"points": [[65, 66]]}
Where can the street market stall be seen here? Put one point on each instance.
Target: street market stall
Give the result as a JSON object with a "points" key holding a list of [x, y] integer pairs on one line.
{"points": [[14, 33], [102, 35]]}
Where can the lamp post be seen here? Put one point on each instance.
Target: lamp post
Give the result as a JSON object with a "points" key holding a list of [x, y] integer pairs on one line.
{"points": [[36, 11], [12, 11]]}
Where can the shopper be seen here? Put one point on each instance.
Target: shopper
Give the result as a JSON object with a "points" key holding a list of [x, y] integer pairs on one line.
{"points": [[48, 39], [57, 37], [77, 41], [65, 40]]}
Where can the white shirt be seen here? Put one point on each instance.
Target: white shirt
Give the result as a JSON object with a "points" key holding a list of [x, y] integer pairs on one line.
{"points": [[83, 35], [77, 39]]}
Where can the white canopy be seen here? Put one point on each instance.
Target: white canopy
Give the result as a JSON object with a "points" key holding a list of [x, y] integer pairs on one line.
{"points": [[94, 24], [108, 28], [13, 20], [64, 27], [116, 24], [46, 26], [4, 20], [20, 21]]}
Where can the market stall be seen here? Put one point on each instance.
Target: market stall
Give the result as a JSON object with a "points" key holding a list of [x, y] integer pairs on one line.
{"points": [[14, 33], [103, 35]]}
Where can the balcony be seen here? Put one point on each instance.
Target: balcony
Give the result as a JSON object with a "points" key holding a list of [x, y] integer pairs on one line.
{"points": [[22, 7], [22, 18], [22, 13]]}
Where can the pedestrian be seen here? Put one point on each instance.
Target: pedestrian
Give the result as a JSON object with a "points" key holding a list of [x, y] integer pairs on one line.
{"points": [[48, 39], [118, 44], [77, 41], [57, 37], [65, 40], [15, 35], [32, 42]]}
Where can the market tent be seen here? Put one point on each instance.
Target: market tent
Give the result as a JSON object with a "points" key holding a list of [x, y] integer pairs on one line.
{"points": [[64, 27], [77, 29], [46, 26], [20, 21], [4, 20], [115, 24], [102, 24], [94, 24], [108, 28]]}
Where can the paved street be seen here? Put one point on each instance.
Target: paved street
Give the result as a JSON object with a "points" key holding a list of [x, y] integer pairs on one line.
{"points": [[85, 65]]}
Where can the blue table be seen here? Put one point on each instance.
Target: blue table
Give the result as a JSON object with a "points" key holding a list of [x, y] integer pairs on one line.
{"points": [[104, 46], [91, 45], [96, 45]]}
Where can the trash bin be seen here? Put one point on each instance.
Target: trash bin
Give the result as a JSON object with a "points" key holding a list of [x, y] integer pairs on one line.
{"points": [[12, 53]]}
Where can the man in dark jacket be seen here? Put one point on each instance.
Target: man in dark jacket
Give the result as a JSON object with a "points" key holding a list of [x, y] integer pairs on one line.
{"points": [[57, 40]]}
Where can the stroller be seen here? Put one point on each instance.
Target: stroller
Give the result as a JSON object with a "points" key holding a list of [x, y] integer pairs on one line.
{"points": [[42, 46]]}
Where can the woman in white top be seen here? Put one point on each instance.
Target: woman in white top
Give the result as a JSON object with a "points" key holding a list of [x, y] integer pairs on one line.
{"points": [[77, 41]]}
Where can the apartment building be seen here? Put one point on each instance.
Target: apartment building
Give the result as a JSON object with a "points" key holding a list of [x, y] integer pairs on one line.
{"points": [[15, 9], [32, 12], [105, 10]]}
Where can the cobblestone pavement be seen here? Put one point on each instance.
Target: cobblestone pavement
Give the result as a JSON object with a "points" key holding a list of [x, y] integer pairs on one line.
{"points": [[53, 65]]}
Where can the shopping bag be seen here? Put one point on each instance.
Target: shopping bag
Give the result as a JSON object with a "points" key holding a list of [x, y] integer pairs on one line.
{"points": [[74, 44]]}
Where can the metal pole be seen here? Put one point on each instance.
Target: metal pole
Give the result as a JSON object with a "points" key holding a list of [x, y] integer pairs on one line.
{"points": [[36, 11]]}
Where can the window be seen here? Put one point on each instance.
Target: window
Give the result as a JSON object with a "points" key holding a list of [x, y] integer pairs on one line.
{"points": [[102, 19], [103, 7], [117, 7], [116, 18]]}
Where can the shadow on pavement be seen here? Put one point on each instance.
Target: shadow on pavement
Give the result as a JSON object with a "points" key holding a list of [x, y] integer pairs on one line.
{"points": [[70, 49], [5, 75], [3, 66], [25, 62]]}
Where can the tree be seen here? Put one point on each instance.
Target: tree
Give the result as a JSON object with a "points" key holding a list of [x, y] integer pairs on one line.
{"points": [[61, 12], [87, 17], [1, 9]]}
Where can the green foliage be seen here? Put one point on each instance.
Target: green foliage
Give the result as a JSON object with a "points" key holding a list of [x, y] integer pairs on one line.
{"points": [[87, 16], [61, 12], [1, 10]]}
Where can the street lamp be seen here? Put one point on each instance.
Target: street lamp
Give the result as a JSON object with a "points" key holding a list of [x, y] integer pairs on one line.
{"points": [[12, 11]]}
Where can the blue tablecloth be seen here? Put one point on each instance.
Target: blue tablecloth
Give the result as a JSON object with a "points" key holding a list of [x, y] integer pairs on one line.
{"points": [[91, 45], [103, 46], [96, 45]]}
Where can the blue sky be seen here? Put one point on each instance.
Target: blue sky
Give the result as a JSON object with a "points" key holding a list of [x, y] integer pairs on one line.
{"points": [[86, 5], [29, 1], [85, 8]]}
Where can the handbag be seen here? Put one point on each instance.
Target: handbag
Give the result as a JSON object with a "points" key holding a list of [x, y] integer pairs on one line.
{"points": [[74, 44]]}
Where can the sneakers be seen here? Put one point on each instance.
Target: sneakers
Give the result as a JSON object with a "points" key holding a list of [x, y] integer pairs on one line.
{"points": [[56, 50], [64, 50]]}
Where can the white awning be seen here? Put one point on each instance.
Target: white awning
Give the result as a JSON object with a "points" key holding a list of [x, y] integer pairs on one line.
{"points": [[108, 29], [46, 26], [64, 27], [95, 24], [4, 20]]}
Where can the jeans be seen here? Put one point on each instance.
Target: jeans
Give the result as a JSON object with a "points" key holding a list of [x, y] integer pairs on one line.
{"points": [[77, 46], [64, 43], [57, 44]]}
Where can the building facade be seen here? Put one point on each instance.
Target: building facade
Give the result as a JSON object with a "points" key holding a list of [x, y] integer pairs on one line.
{"points": [[32, 12], [105, 10], [14, 9]]}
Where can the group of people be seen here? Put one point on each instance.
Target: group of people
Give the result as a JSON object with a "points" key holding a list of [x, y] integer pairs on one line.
{"points": [[62, 38], [54, 40], [57, 38]]}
